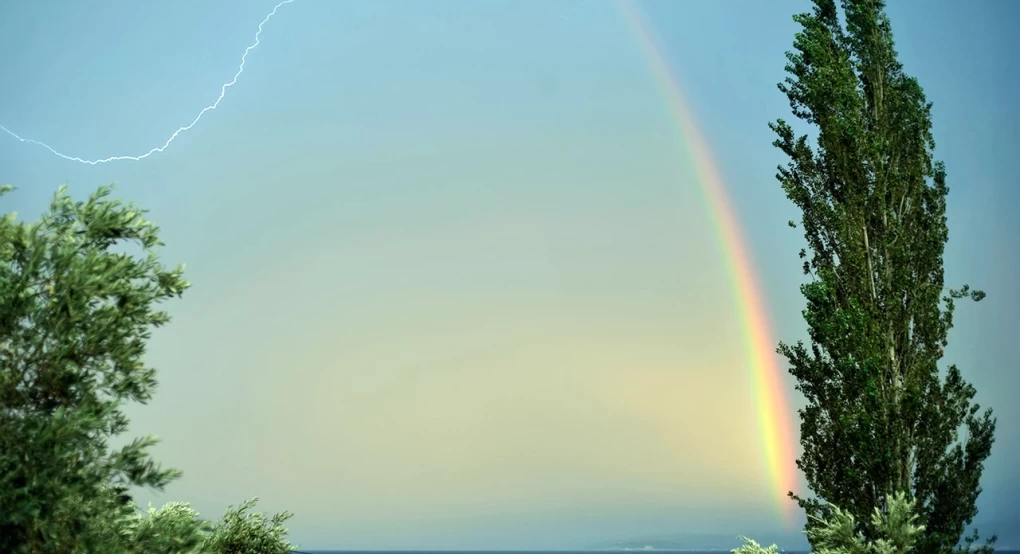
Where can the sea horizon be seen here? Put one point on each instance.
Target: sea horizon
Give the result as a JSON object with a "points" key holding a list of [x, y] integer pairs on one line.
{"points": [[557, 551], [540, 551]]}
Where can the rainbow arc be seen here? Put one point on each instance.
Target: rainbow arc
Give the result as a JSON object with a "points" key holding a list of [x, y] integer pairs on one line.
{"points": [[772, 409]]}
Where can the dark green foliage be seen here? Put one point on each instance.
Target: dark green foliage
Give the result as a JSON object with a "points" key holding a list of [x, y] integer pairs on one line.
{"points": [[76, 310], [880, 418], [77, 307]]}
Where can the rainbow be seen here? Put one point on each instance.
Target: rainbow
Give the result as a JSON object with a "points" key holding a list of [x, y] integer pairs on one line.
{"points": [[770, 400]]}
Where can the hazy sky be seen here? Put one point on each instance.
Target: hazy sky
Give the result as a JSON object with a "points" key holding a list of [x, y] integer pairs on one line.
{"points": [[454, 286]]}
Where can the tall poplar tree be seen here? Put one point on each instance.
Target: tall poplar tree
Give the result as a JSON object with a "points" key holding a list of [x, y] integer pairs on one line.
{"points": [[881, 417]]}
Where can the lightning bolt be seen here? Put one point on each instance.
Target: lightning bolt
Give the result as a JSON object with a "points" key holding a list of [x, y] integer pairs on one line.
{"points": [[210, 107]]}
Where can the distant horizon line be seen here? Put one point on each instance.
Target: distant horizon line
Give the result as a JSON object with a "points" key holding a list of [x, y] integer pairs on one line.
{"points": [[515, 550], [1011, 549], [511, 550]]}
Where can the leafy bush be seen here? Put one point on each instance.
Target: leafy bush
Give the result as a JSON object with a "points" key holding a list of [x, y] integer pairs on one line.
{"points": [[898, 528], [176, 528], [173, 529], [249, 533]]}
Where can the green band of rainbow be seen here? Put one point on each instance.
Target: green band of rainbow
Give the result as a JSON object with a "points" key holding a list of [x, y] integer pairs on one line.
{"points": [[772, 409]]}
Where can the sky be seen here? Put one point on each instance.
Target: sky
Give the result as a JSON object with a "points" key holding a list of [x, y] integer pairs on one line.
{"points": [[454, 283]]}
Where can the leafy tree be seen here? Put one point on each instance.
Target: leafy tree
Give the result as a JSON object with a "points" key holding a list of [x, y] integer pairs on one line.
{"points": [[75, 313], [79, 295], [880, 417]]}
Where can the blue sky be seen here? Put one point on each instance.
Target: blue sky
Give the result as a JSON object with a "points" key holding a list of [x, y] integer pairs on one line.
{"points": [[453, 283]]}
